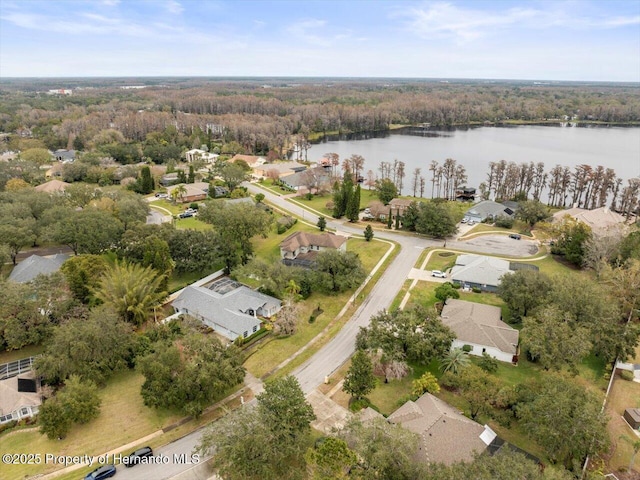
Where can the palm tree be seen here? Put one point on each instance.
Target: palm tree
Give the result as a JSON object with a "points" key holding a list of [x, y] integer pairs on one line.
{"points": [[181, 191], [132, 290], [455, 360]]}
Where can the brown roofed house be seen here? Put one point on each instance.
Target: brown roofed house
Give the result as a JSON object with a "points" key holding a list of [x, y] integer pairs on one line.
{"points": [[52, 186], [481, 327], [301, 248], [446, 436]]}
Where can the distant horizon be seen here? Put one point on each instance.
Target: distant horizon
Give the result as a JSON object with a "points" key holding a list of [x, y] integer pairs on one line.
{"points": [[563, 40]]}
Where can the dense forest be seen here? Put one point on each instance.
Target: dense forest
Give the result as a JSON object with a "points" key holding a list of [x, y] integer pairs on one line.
{"points": [[261, 116]]}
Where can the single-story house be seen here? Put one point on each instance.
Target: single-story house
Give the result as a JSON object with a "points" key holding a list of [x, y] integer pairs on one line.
{"points": [[481, 327], [35, 265], [301, 248], [252, 160], [19, 397], [194, 192], [52, 186], [488, 209], [479, 271], [65, 156], [278, 169], [197, 154], [314, 177], [600, 219], [220, 191], [632, 417], [446, 436], [228, 307], [399, 205]]}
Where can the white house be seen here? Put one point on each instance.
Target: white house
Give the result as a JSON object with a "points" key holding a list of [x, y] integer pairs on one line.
{"points": [[228, 307], [480, 326], [197, 154]]}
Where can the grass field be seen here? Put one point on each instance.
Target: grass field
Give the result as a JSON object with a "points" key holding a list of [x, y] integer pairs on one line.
{"points": [[191, 223], [441, 261], [624, 394], [319, 202], [123, 418], [24, 352]]}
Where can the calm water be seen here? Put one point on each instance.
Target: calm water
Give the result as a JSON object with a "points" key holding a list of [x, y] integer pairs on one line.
{"points": [[611, 147]]}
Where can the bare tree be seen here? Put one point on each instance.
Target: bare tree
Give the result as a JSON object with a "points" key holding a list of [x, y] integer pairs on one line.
{"points": [[399, 175], [334, 159], [433, 167], [416, 180], [422, 182]]}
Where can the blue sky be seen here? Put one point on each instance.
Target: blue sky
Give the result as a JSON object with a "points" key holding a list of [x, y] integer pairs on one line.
{"points": [[548, 40]]}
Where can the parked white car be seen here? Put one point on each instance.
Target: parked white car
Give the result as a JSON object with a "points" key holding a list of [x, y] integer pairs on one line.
{"points": [[438, 274]]}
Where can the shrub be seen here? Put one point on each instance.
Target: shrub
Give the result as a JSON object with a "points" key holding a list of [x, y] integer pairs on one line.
{"points": [[467, 348], [504, 222], [194, 205], [456, 286], [426, 383], [355, 405], [626, 375], [488, 363], [476, 290]]}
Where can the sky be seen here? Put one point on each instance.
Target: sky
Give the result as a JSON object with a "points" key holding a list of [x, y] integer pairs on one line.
{"points": [[571, 40]]}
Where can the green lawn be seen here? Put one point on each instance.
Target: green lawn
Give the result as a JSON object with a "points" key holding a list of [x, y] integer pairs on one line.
{"points": [[191, 223], [123, 418], [181, 280], [172, 207], [441, 261], [319, 202], [24, 352]]}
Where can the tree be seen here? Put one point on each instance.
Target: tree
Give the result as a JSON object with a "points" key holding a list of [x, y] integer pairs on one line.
{"points": [[566, 420], [87, 231], [532, 212], [331, 459], [359, 380], [145, 183], [54, 420], [322, 223], [353, 207], [436, 219], [39, 156], [523, 291], [338, 270], [386, 190], [571, 237], [445, 291], [266, 441], [189, 374], [132, 290], [477, 387], [92, 348], [427, 383], [285, 411], [83, 274], [385, 450], [259, 197], [551, 338], [368, 233], [235, 226], [233, 175], [389, 219], [287, 319], [413, 335], [15, 185], [455, 360], [131, 210]]}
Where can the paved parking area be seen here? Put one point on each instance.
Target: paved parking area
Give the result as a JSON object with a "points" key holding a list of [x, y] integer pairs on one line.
{"points": [[497, 245]]}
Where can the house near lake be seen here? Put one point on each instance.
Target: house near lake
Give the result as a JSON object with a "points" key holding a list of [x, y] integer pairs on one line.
{"points": [[480, 327]]}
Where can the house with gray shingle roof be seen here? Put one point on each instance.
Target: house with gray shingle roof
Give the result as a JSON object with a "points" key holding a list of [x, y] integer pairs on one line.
{"points": [[479, 271], [488, 209], [446, 436], [229, 308], [481, 327], [35, 265]]}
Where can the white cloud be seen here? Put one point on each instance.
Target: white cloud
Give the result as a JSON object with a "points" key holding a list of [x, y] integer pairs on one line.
{"points": [[110, 3], [174, 7]]}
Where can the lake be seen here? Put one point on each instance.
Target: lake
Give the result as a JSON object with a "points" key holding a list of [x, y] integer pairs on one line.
{"points": [[611, 147]]}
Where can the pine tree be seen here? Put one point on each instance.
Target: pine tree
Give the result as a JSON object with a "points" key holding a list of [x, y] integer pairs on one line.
{"points": [[353, 208], [389, 220], [360, 379], [192, 175], [322, 223], [347, 192], [368, 233]]}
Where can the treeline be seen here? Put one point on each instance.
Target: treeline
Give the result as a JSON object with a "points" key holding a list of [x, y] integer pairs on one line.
{"points": [[262, 119]]}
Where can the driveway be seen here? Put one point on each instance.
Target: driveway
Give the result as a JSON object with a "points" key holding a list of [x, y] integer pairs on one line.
{"points": [[497, 245], [156, 218]]}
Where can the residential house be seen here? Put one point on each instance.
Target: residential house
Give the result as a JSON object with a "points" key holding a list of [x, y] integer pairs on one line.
{"points": [[200, 155], [466, 194], [488, 209], [301, 248], [19, 395], [52, 186], [35, 265], [169, 179], [64, 156], [312, 177], [252, 160], [600, 220], [194, 192], [479, 271], [226, 306], [480, 327], [398, 206], [446, 436], [278, 169]]}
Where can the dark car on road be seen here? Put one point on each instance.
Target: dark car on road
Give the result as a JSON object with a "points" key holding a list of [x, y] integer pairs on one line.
{"points": [[136, 457], [106, 471]]}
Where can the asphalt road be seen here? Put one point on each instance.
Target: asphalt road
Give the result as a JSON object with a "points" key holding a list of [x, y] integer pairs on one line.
{"points": [[173, 459]]}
